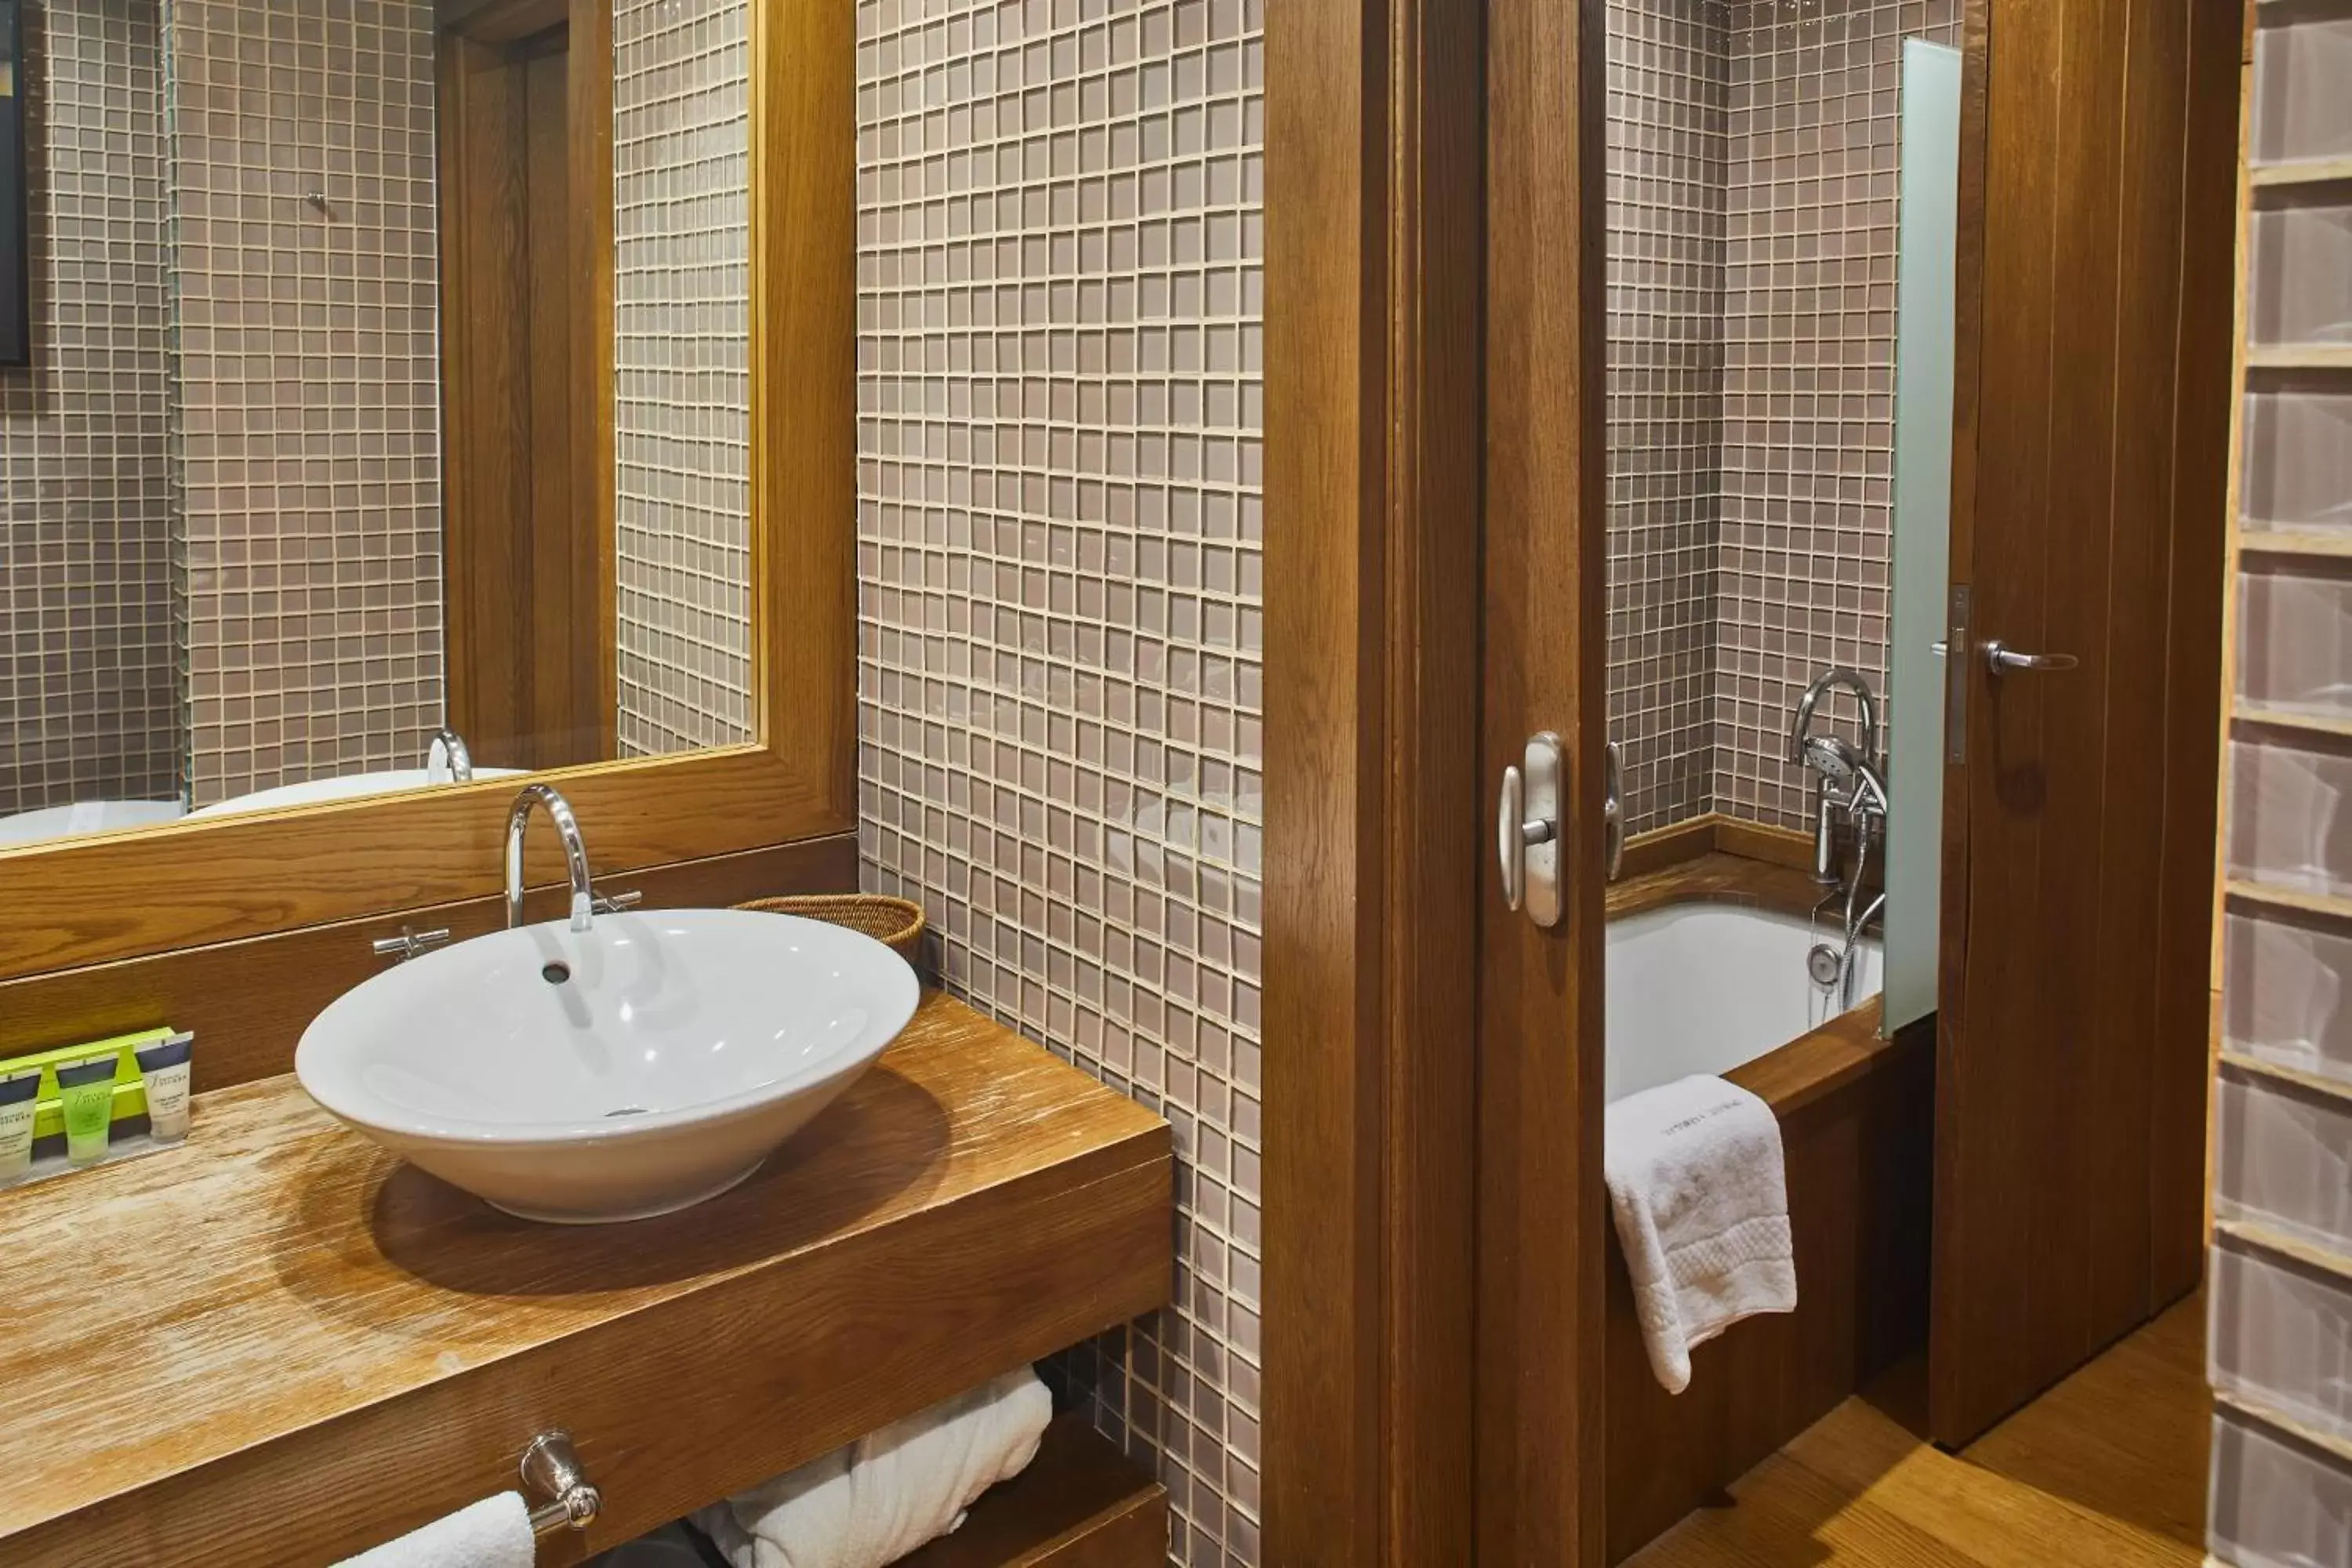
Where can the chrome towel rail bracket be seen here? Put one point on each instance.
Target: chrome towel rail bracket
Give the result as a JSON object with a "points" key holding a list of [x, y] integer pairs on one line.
{"points": [[551, 1469]]}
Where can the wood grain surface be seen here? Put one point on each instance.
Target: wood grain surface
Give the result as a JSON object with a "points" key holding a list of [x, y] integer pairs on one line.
{"points": [[1542, 1211], [1714, 876], [1855, 1113], [2106, 1470], [2088, 500], [280, 1345]]}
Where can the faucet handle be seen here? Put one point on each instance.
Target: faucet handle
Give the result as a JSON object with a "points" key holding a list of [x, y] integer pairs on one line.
{"points": [[409, 944], [614, 905]]}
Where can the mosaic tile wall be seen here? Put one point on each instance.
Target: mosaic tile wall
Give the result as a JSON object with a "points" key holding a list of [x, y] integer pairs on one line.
{"points": [[1669, 86], [309, 367], [1060, 585], [1809, 376], [681, 175], [89, 695]]}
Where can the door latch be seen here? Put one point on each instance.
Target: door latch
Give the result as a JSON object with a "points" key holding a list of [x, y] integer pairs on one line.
{"points": [[1526, 830]]}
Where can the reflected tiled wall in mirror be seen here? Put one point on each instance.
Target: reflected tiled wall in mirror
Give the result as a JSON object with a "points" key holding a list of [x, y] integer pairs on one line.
{"points": [[1059, 548], [308, 379], [257, 550], [89, 697], [682, 257]]}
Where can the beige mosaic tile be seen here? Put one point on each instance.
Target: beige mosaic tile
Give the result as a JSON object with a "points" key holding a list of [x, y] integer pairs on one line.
{"points": [[1808, 379], [1061, 237], [89, 691], [681, 177], [307, 375], [1669, 86]]}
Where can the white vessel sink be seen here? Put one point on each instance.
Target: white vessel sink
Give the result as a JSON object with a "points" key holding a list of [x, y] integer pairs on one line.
{"points": [[625, 1071]]}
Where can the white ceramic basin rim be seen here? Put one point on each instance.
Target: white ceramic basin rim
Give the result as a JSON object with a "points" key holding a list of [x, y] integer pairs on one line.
{"points": [[637, 1058]]}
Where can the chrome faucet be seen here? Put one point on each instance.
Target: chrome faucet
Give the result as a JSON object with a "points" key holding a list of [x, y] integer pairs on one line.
{"points": [[1849, 786], [448, 745], [575, 854], [1835, 765]]}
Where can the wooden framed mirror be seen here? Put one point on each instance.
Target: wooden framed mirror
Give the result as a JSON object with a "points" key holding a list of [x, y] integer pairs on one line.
{"points": [[527, 442]]}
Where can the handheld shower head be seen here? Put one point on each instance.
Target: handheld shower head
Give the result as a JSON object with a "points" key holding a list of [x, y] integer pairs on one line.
{"points": [[1830, 757]]}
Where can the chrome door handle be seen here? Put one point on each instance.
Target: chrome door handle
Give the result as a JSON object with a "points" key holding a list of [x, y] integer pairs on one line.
{"points": [[1526, 831], [1613, 808], [2000, 659]]}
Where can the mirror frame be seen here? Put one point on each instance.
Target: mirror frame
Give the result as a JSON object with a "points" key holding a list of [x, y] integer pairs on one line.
{"points": [[65, 903]]}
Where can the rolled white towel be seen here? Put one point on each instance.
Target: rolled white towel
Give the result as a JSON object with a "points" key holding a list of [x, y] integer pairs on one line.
{"points": [[871, 1502], [1700, 1193], [492, 1533]]}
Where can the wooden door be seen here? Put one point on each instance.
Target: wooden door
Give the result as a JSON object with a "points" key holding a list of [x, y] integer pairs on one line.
{"points": [[1542, 1218], [528, 556], [1433, 1218], [2091, 435]]}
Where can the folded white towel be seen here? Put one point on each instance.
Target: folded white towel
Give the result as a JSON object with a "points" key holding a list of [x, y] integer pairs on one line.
{"points": [[493, 1533], [872, 1501], [1701, 1198]]}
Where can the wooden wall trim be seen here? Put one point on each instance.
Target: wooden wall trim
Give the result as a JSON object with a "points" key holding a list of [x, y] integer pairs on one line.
{"points": [[805, 386], [589, 106], [2197, 644], [1373, 257], [79, 901]]}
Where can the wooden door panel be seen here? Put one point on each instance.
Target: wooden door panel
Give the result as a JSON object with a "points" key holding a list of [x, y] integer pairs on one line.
{"points": [[527, 513], [1542, 1216], [2070, 520]]}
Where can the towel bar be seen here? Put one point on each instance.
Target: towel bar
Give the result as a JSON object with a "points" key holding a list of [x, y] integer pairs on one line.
{"points": [[551, 1469]]}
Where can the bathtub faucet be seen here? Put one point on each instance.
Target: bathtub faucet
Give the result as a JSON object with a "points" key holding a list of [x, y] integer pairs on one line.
{"points": [[1849, 783]]}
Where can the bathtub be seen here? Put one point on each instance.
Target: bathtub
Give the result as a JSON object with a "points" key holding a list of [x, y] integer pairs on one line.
{"points": [[1721, 987], [1705, 987]]}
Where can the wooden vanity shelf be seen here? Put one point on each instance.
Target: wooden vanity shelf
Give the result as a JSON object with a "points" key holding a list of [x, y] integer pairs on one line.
{"points": [[279, 1345]]}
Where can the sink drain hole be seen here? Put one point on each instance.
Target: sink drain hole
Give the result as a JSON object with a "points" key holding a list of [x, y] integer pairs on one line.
{"points": [[555, 974]]}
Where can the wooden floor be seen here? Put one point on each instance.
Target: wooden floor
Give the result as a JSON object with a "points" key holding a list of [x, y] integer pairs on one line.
{"points": [[2106, 1470]]}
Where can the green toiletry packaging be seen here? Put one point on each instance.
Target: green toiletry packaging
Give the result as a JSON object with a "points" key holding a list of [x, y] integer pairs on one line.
{"points": [[20, 1102], [130, 1087], [85, 1093]]}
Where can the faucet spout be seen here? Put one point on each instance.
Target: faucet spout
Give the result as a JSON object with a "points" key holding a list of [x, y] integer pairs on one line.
{"points": [[448, 747], [1852, 680], [575, 854]]}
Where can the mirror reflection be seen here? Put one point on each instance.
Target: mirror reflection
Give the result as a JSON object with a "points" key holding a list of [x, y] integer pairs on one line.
{"points": [[386, 418]]}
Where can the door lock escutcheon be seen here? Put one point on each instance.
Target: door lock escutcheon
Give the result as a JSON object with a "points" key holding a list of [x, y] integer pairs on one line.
{"points": [[1528, 830]]}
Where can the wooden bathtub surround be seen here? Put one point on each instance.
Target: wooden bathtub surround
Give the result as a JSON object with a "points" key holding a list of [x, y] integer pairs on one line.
{"points": [[1724, 859], [279, 1345], [1856, 1129]]}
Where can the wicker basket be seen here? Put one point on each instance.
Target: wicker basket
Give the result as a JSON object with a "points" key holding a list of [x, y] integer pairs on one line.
{"points": [[896, 923]]}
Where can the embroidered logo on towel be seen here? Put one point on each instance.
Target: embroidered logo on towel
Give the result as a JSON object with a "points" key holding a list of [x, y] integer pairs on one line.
{"points": [[1700, 1118]]}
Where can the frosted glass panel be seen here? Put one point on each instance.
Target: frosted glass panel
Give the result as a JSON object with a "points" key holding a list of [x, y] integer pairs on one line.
{"points": [[1923, 497]]}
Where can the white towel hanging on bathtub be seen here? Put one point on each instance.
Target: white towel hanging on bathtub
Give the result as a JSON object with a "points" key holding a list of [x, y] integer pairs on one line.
{"points": [[1700, 1192]]}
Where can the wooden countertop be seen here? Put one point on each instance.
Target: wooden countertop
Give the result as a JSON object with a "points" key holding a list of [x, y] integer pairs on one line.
{"points": [[280, 1344]]}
